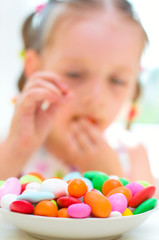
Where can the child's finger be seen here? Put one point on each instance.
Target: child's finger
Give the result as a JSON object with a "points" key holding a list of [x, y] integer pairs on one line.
{"points": [[82, 138], [43, 84], [52, 78], [92, 131], [33, 98], [73, 147]]}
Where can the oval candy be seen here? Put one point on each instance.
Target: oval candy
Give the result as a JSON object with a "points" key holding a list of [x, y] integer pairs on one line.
{"points": [[35, 196], [142, 196], [21, 206], [79, 210]]}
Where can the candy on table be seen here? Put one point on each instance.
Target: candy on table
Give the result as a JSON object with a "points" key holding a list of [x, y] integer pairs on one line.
{"points": [[7, 199], [46, 208], [11, 185], [141, 196], [98, 181], [35, 196], [115, 214], [56, 186], [109, 185], [62, 213], [145, 206], [79, 210], [75, 196], [122, 190], [29, 178], [77, 188], [33, 185], [124, 181], [134, 187], [118, 202], [38, 175], [21, 206], [65, 202], [99, 204], [127, 212]]}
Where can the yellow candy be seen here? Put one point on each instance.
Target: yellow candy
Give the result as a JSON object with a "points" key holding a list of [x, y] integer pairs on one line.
{"points": [[127, 212]]}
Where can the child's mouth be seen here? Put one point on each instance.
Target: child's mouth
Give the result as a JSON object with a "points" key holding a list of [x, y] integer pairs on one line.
{"points": [[91, 119]]}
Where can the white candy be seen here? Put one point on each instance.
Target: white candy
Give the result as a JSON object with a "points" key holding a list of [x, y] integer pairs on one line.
{"points": [[45, 105], [114, 177], [33, 185], [56, 186], [115, 214], [7, 199], [30, 190]]}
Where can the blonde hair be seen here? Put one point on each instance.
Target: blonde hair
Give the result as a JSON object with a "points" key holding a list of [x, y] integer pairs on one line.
{"points": [[37, 29]]}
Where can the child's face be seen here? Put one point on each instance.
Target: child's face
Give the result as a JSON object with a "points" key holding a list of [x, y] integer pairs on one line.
{"points": [[98, 58]]}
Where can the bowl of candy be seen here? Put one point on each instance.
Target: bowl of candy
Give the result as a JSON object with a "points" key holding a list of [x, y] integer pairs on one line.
{"points": [[89, 206]]}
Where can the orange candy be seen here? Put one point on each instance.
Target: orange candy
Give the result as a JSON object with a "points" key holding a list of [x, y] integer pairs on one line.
{"points": [[99, 204], [77, 188], [122, 190], [46, 208], [109, 185], [62, 213], [38, 175]]}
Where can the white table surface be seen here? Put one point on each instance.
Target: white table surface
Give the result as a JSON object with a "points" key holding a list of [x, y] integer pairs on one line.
{"points": [[149, 230]]}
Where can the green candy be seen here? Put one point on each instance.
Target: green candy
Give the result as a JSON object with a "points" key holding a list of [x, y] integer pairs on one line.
{"points": [[146, 206], [53, 201], [91, 174], [144, 183], [124, 181], [1, 183], [98, 181], [29, 178]]}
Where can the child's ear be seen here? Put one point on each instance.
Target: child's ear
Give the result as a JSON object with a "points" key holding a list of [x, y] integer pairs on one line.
{"points": [[31, 62]]}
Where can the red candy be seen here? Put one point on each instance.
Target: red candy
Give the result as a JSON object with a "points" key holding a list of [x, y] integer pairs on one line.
{"points": [[21, 206], [65, 202], [23, 187], [142, 196]]}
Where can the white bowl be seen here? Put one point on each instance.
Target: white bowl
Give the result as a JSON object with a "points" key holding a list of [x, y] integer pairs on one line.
{"points": [[67, 228]]}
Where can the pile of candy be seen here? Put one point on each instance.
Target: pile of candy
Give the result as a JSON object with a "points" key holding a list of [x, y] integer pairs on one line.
{"points": [[94, 194]]}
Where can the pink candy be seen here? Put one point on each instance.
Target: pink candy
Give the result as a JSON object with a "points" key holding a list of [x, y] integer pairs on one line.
{"points": [[118, 202], [134, 187], [11, 185], [79, 210]]}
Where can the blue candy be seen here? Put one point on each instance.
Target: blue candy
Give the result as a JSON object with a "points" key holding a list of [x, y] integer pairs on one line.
{"points": [[35, 197]]}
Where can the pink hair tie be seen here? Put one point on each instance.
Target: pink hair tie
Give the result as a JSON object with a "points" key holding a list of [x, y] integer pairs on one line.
{"points": [[40, 7]]}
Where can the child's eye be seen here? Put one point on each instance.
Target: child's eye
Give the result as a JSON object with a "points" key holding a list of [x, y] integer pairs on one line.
{"points": [[117, 81], [74, 75]]}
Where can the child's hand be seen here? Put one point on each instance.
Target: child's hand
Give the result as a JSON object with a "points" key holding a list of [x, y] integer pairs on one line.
{"points": [[31, 125], [89, 151]]}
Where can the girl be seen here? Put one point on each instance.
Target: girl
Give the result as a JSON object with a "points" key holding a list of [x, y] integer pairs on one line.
{"points": [[81, 66]]}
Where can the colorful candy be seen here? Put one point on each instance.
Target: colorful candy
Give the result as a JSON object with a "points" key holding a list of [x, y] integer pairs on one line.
{"points": [[46, 208], [11, 185], [21, 206], [99, 204], [109, 185], [67, 201], [77, 188], [94, 194], [56, 186], [79, 210], [118, 202], [142, 196]]}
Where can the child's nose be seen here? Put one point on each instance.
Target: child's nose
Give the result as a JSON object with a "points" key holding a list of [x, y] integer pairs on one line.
{"points": [[95, 95]]}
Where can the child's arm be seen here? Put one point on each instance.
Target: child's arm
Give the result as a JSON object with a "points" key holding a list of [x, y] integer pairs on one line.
{"points": [[30, 124], [139, 164]]}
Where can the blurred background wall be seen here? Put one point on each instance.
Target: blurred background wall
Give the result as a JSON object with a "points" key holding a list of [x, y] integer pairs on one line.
{"points": [[146, 126]]}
